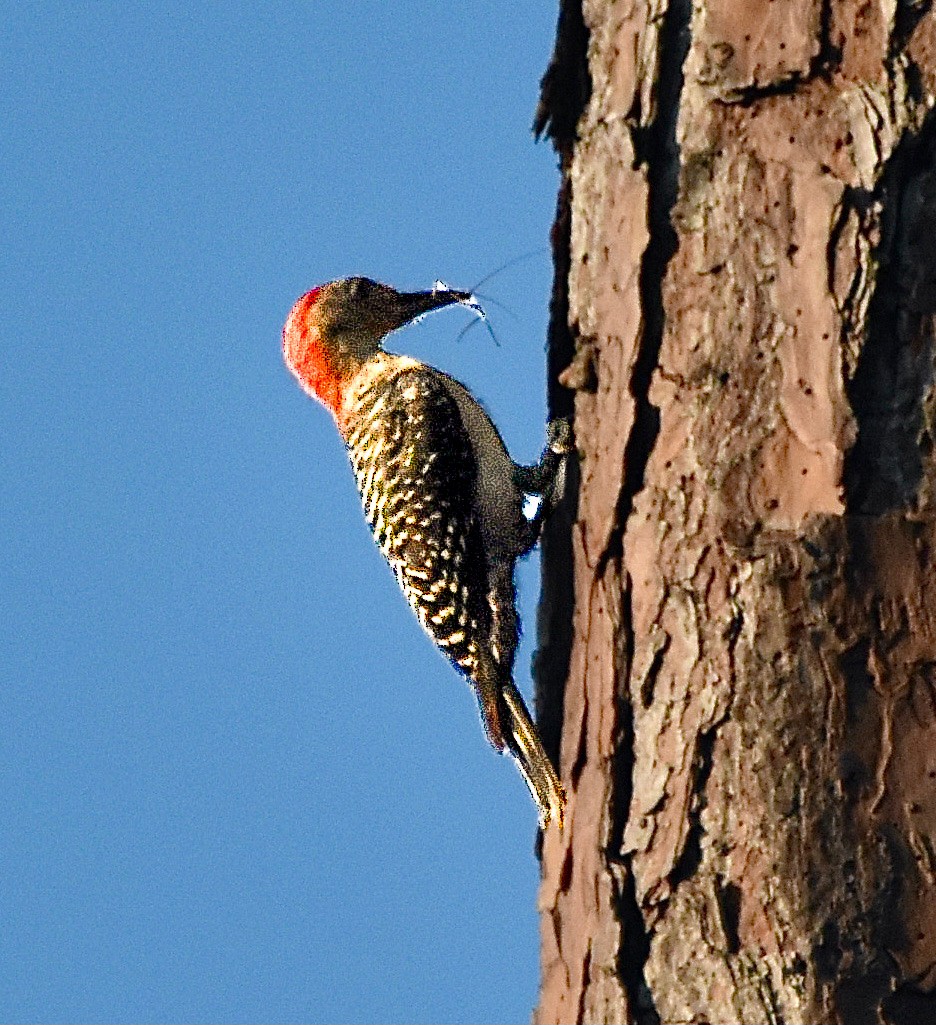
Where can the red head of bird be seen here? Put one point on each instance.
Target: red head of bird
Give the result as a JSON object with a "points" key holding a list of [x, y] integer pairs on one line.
{"points": [[335, 329]]}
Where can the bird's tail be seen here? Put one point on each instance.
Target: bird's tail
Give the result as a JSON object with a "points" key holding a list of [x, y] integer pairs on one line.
{"points": [[527, 749]]}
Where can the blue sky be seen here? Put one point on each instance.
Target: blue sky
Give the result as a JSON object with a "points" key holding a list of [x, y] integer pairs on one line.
{"points": [[240, 784]]}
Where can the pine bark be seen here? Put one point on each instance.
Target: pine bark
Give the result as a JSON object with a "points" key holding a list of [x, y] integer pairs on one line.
{"points": [[737, 656]]}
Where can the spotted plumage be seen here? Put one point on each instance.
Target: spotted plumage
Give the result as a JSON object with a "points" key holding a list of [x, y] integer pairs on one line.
{"points": [[416, 473], [441, 495]]}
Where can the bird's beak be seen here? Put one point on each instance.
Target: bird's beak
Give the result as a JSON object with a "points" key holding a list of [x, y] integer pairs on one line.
{"points": [[409, 305]]}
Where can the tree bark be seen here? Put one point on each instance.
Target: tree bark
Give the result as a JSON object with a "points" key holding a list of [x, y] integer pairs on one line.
{"points": [[738, 634]]}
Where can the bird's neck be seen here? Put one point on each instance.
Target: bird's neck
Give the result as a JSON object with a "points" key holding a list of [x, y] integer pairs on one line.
{"points": [[323, 368]]}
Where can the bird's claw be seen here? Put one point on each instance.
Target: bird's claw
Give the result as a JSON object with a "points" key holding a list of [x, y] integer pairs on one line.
{"points": [[559, 436]]}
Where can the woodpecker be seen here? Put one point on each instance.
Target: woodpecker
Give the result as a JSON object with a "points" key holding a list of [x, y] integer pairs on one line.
{"points": [[443, 498]]}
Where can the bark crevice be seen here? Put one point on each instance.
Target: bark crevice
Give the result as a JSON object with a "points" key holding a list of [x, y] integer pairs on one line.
{"points": [[635, 936], [893, 376], [564, 93], [656, 148]]}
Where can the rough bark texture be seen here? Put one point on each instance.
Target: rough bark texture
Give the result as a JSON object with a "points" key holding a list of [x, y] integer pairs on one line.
{"points": [[739, 620]]}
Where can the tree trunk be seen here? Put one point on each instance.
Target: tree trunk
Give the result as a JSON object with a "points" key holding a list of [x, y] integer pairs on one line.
{"points": [[739, 617]]}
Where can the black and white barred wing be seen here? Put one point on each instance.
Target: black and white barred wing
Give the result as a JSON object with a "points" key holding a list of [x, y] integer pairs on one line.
{"points": [[415, 471]]}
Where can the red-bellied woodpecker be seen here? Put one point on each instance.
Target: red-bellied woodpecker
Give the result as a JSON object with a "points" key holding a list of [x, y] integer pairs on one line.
{"points": [[442, 496]]}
